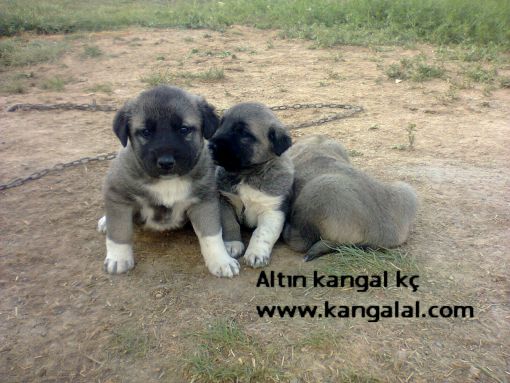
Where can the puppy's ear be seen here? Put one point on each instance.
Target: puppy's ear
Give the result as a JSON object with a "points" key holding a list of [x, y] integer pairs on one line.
{"points": [[279, 139], [121, 125], [210, 120]]}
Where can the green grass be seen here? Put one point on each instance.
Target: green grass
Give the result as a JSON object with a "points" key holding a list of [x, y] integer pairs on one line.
{"points": [[166, 77], [55, 84], [353, 260], [101, 88], [91, 51], [226, 354], [415, 69], [133, 342], [481, 75], [19, 52], [327, 22]]}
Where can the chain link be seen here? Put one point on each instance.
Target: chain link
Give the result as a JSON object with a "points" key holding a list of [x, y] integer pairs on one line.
{"points": [[349, 110]]}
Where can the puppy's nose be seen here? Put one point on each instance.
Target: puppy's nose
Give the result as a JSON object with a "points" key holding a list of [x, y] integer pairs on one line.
{"points": [[166, 162]]}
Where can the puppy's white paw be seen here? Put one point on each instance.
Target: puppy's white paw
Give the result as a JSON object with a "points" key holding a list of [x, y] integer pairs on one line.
{"points": [[235, 248], [101, 224], [223, 267], [257, 257], [119, 257]]}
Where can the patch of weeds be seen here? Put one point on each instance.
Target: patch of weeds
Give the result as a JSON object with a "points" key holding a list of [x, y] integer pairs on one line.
{"points": [[18, 52], [338, 57], [319, 340], [504, 82], [133, 342], [411, 138], [374, 127], [55, 84], [189, 39], [158, 78], [270, 44], [13, 86], [211, 75], [194, 51], [91, 51], [160, 58], [323, 84], [224, 54], [101, 88], [225, 353], [415, 69], [353, 260], [481, 75], [472, 53], [451, 95], [355, 153], [207, 36], [335, 76]]}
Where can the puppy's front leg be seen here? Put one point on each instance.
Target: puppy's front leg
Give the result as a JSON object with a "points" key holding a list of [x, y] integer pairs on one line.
{"points": [[269, 227], [119, 233], [231, 229], [205, 218]]}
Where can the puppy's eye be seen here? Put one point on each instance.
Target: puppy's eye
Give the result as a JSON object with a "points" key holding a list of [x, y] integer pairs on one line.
{"points": [[185, 130], [146, 133]]}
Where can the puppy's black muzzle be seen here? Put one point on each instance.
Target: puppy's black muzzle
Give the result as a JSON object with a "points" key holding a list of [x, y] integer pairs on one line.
{"points": [[166, 163]]}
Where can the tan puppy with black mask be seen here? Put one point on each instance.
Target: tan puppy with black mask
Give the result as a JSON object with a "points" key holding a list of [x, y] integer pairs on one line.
{"points": [[164, 177], [254, 177]]}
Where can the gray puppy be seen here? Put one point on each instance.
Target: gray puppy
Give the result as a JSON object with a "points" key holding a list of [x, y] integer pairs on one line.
{"points": [[164, 177], [255, 178], [334, 203]]}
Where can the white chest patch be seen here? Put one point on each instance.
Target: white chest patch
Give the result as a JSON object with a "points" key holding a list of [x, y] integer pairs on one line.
{"points": [[257, 202], [175, 196], [168, 192]]}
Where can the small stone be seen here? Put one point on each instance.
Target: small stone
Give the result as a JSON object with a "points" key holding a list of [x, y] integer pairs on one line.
{"points": [[159, 295]]}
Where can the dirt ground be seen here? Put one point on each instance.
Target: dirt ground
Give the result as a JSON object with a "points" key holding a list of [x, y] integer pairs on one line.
{"points": [[62, 318]]}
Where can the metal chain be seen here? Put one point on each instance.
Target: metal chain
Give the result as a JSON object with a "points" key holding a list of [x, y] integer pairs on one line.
{"points": [[55, 168], [349, 111]]}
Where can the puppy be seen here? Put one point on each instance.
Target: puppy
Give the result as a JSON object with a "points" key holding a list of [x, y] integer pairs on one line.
{"points": [[254, 178], [163, 177], [334, 203]]}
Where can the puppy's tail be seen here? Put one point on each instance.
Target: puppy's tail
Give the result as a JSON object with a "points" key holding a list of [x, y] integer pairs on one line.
{"points": [[319, 249], [327, 247]]}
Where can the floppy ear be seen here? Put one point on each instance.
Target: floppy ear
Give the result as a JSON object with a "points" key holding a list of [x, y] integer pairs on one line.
{"points": [[279, 139], [121, 125], [210, 120]]}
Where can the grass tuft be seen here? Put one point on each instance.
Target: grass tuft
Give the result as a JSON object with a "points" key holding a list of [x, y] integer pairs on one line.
{"points": [[132, 342], [226, 354], [481, 75], [91, 51], [158, 78], [18, 52], [55, 84], [101, 88], [347, 259], [415, 69]]}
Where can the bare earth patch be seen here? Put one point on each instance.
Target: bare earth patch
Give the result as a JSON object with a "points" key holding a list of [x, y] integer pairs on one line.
{"points": [[63, 319]]}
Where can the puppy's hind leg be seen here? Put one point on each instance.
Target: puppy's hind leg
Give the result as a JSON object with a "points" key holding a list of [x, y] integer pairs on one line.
{"points": [[319, 249]]}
